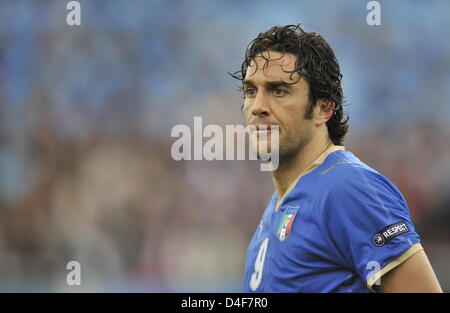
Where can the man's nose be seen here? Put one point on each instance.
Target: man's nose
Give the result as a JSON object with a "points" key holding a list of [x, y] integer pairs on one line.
{"points": [[260, 105]]}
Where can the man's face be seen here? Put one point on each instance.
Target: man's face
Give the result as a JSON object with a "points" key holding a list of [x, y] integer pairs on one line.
{"points": [[275, 97]]}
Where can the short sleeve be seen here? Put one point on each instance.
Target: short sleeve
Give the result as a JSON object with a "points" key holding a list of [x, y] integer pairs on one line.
{"points": [[370, 223]]}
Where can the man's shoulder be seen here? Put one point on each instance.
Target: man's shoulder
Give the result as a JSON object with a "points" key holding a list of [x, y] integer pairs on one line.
{"points": [[356, 190], [345, 172], [344, 165]]}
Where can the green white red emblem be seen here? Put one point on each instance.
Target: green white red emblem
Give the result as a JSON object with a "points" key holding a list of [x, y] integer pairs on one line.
{"points": [[285, 228]]}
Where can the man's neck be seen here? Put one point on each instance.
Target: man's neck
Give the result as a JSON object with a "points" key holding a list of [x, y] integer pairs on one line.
{"points": [[289, 170]]}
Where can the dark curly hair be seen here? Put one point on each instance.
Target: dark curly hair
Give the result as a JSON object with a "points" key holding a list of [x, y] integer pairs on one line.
{"points": [[316, 63]]}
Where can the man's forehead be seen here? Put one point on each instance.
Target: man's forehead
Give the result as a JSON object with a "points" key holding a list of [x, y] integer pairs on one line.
{"points": [[271, 64]]}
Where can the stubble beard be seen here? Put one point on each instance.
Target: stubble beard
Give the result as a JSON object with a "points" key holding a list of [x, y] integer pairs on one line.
{"points": [[291, 148]]}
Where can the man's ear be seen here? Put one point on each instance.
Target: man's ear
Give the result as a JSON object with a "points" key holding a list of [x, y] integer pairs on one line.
{"points": [[324, 111]]}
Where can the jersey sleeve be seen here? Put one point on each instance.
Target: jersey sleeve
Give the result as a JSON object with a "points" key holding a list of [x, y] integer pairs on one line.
{"points": [[370, 223]]}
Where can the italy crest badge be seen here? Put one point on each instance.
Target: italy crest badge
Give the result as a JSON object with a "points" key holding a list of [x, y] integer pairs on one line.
{"points": [[285, 228]]}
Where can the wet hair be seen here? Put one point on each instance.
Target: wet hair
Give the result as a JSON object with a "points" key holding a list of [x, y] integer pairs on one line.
{"points": [[316, 63]]}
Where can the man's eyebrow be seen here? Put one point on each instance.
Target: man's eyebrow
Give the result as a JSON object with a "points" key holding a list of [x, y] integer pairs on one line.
{"points": [[269, 84], [248, 82]]}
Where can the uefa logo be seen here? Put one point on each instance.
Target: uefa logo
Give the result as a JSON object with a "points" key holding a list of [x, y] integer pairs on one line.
{"points": [[378, 240]]}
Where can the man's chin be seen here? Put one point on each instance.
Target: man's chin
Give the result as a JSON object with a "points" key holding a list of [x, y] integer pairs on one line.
{"points": [[267, 154]]}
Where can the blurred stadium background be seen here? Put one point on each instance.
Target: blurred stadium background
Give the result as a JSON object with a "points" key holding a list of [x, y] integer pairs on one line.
{"points": [[86, 114]]}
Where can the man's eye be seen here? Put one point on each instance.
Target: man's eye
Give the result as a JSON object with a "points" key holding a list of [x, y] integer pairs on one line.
{"points": [[279, 92], [249, 92]]}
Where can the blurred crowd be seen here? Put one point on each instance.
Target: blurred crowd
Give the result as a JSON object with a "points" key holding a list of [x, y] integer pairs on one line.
{"points": [[85, 117]]}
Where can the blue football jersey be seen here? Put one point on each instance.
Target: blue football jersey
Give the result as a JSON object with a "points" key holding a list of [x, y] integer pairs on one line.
{"points": [[340, 228]]}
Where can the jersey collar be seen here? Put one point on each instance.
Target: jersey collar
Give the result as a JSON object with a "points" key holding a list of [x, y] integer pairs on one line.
{"points": [[316, 163]]}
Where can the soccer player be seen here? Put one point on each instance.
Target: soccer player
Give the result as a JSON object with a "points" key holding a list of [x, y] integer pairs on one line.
{"points": [[333, 223]]}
